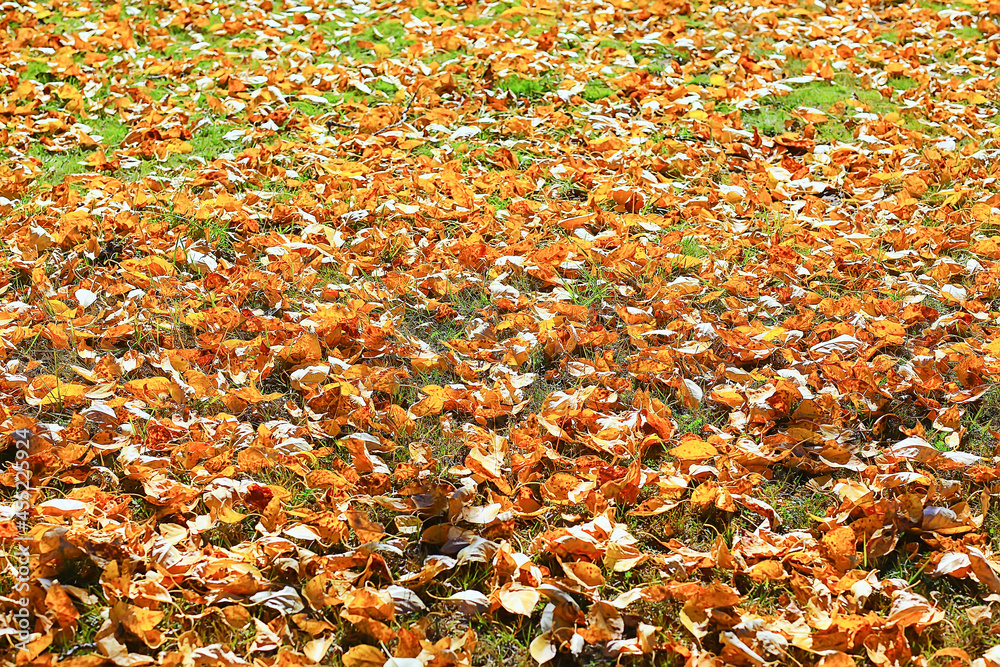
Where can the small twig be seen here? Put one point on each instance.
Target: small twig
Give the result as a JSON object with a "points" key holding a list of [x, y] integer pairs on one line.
{"points": [[406, 113], [332, 124]]}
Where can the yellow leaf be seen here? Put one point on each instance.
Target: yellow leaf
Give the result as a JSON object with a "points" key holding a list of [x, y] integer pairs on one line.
{"points": [[153, 388], [892, 332], [981, 212], [431, 405], [58, 307], [542, 649], [518, 599], [364, 655], [767, 570], [141, 621], [694, 450], [64, 393], [727, 396]]}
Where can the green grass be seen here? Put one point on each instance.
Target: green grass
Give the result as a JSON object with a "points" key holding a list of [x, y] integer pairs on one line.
{"points": [[688, 422], [685, 524], [58, 166], [88, 623], [385, 87], [447, 56], [793, 501], [771, 118], [502, 639], [903, 82], [111, 128], [530, 88], [979, 419], [596, 90], [229, 535], [968, 32], [38, 70], [470, 301], [767, 121], [213, 230], [692, 247], [505, 644], [446, 450], [891, 36], [765, 597], [590, 290], [389, 33], [208, 141], [468, 304]]}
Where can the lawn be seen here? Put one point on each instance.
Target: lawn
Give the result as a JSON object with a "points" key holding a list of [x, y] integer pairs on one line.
{"points": [[417, 334]]}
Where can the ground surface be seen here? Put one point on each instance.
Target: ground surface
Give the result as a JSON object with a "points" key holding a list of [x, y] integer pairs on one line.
{"points": [[498, 333]]}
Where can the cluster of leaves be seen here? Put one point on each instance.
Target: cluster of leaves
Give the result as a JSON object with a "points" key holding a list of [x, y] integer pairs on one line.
{"points": [[422, 334]]}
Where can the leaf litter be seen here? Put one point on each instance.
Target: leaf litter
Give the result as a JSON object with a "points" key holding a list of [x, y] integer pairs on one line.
{"points": [[415, 334]]}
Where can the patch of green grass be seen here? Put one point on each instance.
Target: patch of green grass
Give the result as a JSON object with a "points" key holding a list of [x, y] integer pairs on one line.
{"points": [[590, 290], [596, 90], [447, 450], [213, 629], [313, 109], [770, 118], [530, 88], [794, 67], [690, 422], [639, 51], [57, 166], [685, 524], [505, 644], [391, 33], [425, 150], [331, 274], [425, 326], [228, 535], [903, 82], [498, 203], [692, 247], [447, 56], [208, 140], [979, 419], [891, 36], [793, 501], [968, 32], [470, 301], [443, 332], [768, 121], [386, 31], [304, 497], [141, 509], [385, 87], [765, 597], [38, 70], [111, 128], [933, 6], [213, 230]]}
